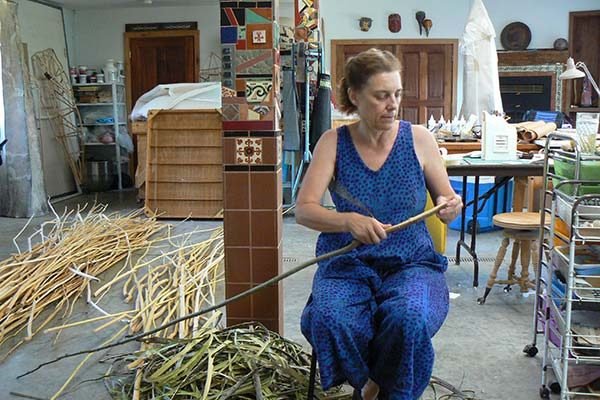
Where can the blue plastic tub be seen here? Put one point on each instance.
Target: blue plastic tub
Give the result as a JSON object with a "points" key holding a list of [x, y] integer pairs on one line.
{"points": [[494, 205]]}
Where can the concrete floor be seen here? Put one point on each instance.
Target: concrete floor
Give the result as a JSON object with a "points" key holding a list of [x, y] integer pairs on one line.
{"points": [[478, 348]]}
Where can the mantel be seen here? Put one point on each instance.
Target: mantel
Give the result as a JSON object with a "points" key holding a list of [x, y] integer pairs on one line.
{"points": [[532, 57]]}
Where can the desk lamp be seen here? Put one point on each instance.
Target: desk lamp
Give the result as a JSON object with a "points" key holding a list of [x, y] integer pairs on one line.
{"points": [[572, 72]]}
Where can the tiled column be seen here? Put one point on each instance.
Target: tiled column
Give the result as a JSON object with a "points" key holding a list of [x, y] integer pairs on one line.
{"points": [[252, 159]]}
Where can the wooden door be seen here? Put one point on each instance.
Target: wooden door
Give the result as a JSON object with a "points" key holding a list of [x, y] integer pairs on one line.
{"points": [[429, 71], [584, 42], [159, 58], [427, 76]]}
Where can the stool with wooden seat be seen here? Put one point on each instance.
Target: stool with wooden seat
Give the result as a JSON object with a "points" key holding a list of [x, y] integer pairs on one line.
{"points": [[523, 229]]}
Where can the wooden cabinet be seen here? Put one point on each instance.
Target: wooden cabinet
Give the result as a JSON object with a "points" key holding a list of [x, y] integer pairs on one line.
{"points": [[584, 42], [429, 73]]}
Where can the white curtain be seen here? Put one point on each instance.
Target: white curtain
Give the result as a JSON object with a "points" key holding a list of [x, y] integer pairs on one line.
{"points": [[22, 192], [481, 84]]}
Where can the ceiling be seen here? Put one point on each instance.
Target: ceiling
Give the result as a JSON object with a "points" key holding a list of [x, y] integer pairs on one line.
{"points": [[100, 4]]}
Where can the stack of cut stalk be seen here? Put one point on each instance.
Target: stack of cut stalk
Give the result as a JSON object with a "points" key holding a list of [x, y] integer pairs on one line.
{"points": [[54, 273], [240, 362], [179, 281]]}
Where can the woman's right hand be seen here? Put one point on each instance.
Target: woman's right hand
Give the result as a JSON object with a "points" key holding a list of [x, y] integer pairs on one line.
{"points": [[366, 230]]}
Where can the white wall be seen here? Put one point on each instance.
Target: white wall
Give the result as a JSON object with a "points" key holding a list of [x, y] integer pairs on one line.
{"points": [[99, 33], [547, 20]]}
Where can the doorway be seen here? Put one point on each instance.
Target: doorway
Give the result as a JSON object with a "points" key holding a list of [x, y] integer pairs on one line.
{"points": [[160, 57]]}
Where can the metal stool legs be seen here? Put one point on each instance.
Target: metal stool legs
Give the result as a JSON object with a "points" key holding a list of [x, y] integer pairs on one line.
{"points": [[313, 375]]}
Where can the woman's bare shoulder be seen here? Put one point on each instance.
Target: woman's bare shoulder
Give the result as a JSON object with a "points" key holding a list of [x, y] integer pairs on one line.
{"points": [[422, 137]]}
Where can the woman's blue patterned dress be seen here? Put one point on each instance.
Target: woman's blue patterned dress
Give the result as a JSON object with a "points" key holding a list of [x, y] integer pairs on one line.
{"points": [[373, 311]]}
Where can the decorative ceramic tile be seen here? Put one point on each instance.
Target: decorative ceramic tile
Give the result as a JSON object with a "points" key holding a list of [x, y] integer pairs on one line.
{"points": [[241, 32], [248, 151], [259, 36], [264, 31], [254, 62], [236, 228], [253, 116], [227, 92], [238, 264], [258, 15], [237, 190], [227, 50], [258, 91], [263, 229], [240, 85], [233, 16], [231, 112], [261, 110], [307, 13], [228, 34], [279, 149], [265, 304], [263, 191], [249, 125]]}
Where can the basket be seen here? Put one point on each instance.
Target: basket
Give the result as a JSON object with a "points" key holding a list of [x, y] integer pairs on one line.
{"points": [[588, 170]]}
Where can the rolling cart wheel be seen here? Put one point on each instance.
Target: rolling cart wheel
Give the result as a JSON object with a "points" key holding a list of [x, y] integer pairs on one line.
{"points": [[507, 289], [544, 392], [531, 350], [555, 387]]}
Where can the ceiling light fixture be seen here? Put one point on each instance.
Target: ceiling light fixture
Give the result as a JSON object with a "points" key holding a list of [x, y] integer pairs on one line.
{"points": [[147, 1]]}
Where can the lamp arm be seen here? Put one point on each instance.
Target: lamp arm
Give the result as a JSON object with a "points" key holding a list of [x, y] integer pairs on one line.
{"points": [[581, 64]]}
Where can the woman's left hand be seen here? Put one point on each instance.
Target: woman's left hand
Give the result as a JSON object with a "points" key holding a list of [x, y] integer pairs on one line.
{"points": [[451, 211]]}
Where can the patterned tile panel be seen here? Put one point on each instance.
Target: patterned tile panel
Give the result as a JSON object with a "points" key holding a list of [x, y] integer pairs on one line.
{"points": [[259, 36], [258, 15], [249, 151], [258, 91], [254, 62], [229, 34]]}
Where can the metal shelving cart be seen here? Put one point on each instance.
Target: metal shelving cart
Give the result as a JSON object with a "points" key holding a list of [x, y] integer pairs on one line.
{"points": [[102, 107], [567, 303]]}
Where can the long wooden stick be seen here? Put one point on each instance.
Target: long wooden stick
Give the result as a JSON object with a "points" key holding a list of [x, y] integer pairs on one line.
{"points": [[351, 246]]}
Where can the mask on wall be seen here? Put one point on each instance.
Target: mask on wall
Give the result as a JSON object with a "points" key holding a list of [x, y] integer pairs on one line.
{"points": [[394, 23], [365, 23]]}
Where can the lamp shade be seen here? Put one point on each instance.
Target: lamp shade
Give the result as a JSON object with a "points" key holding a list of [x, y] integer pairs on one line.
{"points": [[571, 72]]}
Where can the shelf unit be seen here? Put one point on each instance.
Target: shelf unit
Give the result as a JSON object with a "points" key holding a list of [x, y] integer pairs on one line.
{"points": [[567, 306], [97, 101]]}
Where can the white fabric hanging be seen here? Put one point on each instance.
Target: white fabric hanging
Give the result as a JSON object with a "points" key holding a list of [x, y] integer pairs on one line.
{"points": [[481, 84]]}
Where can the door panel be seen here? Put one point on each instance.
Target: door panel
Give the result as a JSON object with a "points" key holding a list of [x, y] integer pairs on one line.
{"points": [[410, 76], [163, 60], [160, 57], [429, 70]]}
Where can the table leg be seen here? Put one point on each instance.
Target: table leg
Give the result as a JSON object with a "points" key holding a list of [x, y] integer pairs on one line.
{"points": [[471, 249]]}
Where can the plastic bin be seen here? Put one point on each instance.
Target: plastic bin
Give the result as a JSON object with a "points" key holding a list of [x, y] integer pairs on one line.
{"points": [[494, 205]]}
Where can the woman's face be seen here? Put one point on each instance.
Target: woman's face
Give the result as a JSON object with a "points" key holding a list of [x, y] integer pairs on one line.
{"points": [[378, 101]]}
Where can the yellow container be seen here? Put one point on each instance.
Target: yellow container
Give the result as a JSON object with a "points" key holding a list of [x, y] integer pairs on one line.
{"points": [[437, 229]]}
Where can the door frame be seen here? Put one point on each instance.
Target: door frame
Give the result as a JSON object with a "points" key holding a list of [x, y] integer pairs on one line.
{"points": [[128, 36], [337, 62]]}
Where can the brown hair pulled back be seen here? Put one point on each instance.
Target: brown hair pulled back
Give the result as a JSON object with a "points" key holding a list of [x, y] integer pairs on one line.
{"points": [[359, 69]]}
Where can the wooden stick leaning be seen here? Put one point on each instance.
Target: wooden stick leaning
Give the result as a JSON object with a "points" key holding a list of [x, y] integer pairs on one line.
{"points": [[351, 246]]}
